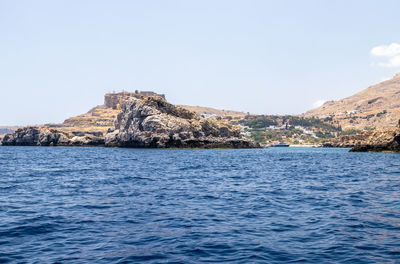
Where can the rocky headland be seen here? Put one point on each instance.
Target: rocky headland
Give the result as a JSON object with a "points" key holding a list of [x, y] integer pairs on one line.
{"points": [[152, 122], [380, 140], [142, 122]]}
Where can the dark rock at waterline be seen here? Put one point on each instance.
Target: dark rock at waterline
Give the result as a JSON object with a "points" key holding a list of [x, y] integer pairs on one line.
{"points": [[44, 136], [380, 140], [387, 140]]}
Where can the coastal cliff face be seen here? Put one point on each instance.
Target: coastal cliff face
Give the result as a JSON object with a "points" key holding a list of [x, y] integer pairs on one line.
{"points": [[152, 122], [369, 141], [44, 136]]}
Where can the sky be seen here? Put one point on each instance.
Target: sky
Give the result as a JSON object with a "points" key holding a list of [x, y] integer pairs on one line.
{"points": [[59, 58]]}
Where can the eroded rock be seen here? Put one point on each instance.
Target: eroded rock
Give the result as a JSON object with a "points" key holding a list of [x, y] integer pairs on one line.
{"points": [[44, 136], [153, 122], [369, 141]]}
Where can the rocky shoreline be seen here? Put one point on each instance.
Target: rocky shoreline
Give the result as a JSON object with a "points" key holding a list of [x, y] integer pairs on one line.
{"points": [[382, 140], [44, 136], [148, 122]]}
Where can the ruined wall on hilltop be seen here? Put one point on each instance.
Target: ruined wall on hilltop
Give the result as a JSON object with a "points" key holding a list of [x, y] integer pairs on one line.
{"points": [[114, 100]]}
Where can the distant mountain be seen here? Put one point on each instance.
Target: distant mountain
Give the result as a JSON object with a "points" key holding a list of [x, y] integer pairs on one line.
{"points": [[7, 129], [378, 106], [201, 110]]}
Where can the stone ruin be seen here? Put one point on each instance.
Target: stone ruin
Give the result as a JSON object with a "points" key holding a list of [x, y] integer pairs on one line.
{"points": [[115, 100]]}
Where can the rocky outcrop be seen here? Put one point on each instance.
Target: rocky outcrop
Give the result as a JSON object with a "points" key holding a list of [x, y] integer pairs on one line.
{"points": [[387, 140], [345, 141], [369, 141], [44, 136], [152, 122]]}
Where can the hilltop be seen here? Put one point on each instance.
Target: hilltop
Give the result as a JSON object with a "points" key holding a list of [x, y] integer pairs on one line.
{"points": [[209, 111], [378, 106]]}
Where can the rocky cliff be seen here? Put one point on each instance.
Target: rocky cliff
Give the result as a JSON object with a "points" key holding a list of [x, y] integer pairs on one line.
{"points": [[44, 136], [369, 141], [153, 122]]}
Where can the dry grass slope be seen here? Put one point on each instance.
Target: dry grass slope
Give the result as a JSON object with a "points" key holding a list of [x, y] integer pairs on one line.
{"points": [[212, 111], [378, 106]]}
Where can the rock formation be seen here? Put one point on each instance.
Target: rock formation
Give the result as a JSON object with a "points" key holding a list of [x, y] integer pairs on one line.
{"points": [[380, 140], [101, 118], [344, 141], [153, 122], [44, 136], [387, 140]]}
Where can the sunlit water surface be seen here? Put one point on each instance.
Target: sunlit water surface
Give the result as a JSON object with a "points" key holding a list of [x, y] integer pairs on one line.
{"points": [[103, 205]]}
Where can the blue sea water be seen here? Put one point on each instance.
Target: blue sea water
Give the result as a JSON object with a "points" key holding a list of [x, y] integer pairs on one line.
{"points": [[289, 205]]}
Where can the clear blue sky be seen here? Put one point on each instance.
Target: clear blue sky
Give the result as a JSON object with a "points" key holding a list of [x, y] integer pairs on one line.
{"points": [[58, 58]]}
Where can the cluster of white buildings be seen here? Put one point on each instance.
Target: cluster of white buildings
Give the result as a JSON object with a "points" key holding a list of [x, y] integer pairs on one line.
{"points": [[350, 112], [245, 130], [211, 116], [276, 127], [306, 131]]}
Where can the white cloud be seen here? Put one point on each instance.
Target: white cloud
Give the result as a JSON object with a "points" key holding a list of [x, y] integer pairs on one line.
{"points": [[386, 50], [392, 52], [318, 103]]}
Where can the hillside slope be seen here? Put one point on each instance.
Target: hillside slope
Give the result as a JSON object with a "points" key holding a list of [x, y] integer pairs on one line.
{"points": [[378, 106], [201, 110]]}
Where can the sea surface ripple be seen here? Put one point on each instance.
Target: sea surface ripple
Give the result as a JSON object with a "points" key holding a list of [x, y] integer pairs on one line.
{"points": [[288, 205]]}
